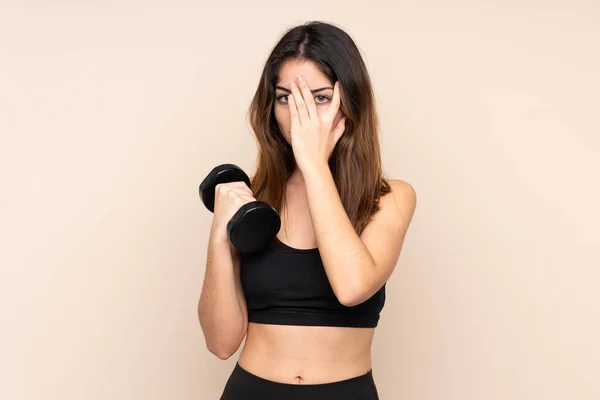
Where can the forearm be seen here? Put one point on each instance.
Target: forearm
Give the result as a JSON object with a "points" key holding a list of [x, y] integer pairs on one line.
{"points": [[346, 259], [221, 315]]}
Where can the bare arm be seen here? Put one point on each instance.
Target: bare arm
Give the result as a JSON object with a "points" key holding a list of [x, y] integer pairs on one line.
{"points": [[222, 306], [357, 266]]}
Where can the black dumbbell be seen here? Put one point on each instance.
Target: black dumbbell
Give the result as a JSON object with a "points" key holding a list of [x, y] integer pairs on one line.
{"points": [[255, 224]]}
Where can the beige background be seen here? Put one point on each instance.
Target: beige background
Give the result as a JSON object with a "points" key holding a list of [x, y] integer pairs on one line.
{"points": [[112, 112]]}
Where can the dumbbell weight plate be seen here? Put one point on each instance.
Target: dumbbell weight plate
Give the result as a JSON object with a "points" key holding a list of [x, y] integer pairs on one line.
{"points": [[253, 226]]}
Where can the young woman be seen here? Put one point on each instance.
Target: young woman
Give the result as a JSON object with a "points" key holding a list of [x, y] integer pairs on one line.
{"points": [[308, 305]]}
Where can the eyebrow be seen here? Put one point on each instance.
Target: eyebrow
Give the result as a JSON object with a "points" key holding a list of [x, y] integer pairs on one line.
{"points": [[312, 91]]}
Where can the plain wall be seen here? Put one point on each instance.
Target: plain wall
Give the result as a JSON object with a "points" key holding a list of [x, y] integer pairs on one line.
{"points": [[112, 112]]}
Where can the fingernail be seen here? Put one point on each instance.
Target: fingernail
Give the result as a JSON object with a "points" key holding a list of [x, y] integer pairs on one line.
{"points": [[293, 84], [300, 78]]}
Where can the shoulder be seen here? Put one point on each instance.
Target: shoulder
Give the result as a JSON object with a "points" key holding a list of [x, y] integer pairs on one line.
{"points": [[395, 212], [401, 201]]}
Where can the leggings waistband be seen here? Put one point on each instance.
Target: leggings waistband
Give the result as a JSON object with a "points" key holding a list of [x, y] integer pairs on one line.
{"points": [[243, 384]]}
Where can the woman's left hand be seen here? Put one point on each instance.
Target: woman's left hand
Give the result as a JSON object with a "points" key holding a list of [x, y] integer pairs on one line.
{"points": [[313, 135]]}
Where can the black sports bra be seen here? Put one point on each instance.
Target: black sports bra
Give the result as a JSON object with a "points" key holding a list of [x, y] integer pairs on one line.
{"points": [[287, 286]]}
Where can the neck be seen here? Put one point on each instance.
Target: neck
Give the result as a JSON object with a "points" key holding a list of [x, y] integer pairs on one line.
{"points": [[296, 178]]}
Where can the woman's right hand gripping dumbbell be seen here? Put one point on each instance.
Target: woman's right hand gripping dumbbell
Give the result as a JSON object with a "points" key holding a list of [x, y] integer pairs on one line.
{"points": [[249, 225], [229, 198]]}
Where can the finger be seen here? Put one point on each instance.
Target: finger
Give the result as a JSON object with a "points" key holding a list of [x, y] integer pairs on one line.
{"points": [[246, 198], [308, 98], [335, 102], [295, 119], [228, 191], [239, 186], [300, 105], [241, 192], [339, 129]]}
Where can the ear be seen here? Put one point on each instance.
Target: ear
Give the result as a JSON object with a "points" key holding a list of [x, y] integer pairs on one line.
{"points": [[339, 129]]}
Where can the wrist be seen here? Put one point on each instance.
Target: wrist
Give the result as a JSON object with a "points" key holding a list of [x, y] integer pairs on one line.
{"points": [[314, 168], [218, 233]]}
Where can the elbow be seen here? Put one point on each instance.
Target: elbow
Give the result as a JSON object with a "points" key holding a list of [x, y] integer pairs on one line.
{"points": [[350, 301], [224, 349], [351, 298], [223, 352], [354, 289], [353, 294]]}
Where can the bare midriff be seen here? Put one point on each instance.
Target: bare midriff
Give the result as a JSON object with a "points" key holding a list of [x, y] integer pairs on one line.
{"points": [[306, 354]]}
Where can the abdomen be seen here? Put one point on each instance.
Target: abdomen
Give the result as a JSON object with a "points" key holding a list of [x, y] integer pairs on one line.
{"points": [[306, 354]]}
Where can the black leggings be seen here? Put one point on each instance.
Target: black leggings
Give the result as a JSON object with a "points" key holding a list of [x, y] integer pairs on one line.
{"points": [[243, 385]]}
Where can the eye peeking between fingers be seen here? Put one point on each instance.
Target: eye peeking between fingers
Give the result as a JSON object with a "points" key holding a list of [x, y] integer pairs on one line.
{"points": [[319, 99]]}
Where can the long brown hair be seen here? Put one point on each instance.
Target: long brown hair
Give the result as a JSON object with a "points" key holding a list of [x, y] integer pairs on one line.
{"points": [[356, 160]]}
